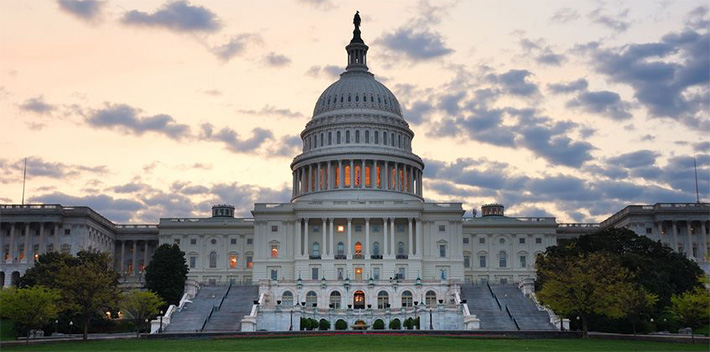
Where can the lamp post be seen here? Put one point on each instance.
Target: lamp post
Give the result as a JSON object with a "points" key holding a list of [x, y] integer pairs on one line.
{"points": [[71, 327], [431, 324], [146, 323], [290, 326], [56, 323], [160, 328], [416, 315]]}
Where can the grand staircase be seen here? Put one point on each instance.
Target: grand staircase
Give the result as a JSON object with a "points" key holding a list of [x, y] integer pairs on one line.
{"points": [[193, 315], [236, 305], [481, 301]]}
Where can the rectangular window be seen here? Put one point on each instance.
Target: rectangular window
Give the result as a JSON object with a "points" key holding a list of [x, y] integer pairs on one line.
{"points": [[482, 261], [250, 240], [466, 261], [503, 261], [358, 228], [340, 228], [375, 273], [521, 240], [274, 274], [250, 264], [66, 232], [274, 251], [274, 228], [232, 241], [400, 228], [442, 250], [465, 240], [538, 240], [442, 228], [193, 241], [649, 230], [193, 262], [375, 228], [401, 273], [314, 274], [523, 261]]}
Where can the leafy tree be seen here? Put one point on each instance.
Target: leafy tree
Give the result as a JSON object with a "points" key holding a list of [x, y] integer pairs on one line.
{"points": [[593, 284], [139, 306], [89, 288], [45, 270], [638, 305], [29, 308], [167, 272], [692, 308]]}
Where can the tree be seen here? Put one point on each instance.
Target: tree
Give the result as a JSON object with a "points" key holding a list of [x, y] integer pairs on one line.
{"points": [[692, 307], [139, 306], [395, 324], [167, 272], [45, 270], [638, 305], [90, 287], [593, 284], [341, 325], [323, 324], [29, 308]]}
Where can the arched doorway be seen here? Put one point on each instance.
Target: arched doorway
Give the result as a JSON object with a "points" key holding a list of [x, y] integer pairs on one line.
{"points": [[359, 300], [15, 278], [2, 279]]}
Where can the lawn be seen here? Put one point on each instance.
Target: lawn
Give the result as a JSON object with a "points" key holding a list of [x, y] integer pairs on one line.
{"points": [[367, 343]]}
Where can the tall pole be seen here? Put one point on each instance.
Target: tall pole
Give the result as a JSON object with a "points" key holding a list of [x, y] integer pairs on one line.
{"points": [[24, 178], [697, 194]]}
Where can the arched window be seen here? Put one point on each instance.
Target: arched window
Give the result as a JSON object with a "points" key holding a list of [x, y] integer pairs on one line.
{"points": [[430, 299], [347, 137], [503, 260], [315, 250], [330, 138], [383, 300], [311, 299], [337, 137], [407, 300], [358, 248], [335, 299], [341, 248], [315, 141], [367, 137], [213, 259], [384, 137], [347, 175], [377, 137], [376, 248], [357, 136], [400, 248], [287, 299], [321, 139]]}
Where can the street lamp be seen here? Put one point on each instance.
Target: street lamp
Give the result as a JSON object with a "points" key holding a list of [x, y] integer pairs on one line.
{"points": [[160, 329], [146, 323], [56, 323], [431, 325], [71, 327], [416, 316], [290, 326]]}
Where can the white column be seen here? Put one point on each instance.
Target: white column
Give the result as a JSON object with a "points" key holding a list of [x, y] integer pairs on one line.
{"points": [[145, 254], [135, 252], [28, 250], [340, 174], [12, 245], [349, 250], [41, 238], [675, 235], [688, 225], [419, 238], [385, 176], [298, 240], [367, 237], [330, 222], [323, 231], [393, 251], [384, 237], [56, 237], [362, 173], [352, 173], [306, 244], [410, 244]]}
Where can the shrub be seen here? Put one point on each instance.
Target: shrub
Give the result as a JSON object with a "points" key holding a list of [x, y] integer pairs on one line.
{"points": [[323, 325], [409, 324], [341, 325], [378, 324], [395, 324]]}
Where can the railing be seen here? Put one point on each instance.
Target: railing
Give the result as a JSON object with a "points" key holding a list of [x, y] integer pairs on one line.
{"points": [[376, 256], [358, 256], [497, 301], [224, 296], [516, 323], [402, 256], [207, 319], [313, 257], [340, 256]]}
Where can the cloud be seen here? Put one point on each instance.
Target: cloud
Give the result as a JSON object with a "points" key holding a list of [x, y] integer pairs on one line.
{"points": [[178, 16], [543, 53], [271, 110], [83, 9], [515, 82], [416, 112], [37, 105], [276, 60], [602, 102], [568, 87], [126, 118], [287, 146], [233, 141], [565, 15], [319, 4], [38, 167], [641, 158], [617, 23], [115, 209], [330, 71], [416, 44], [556, 148], [212, 92]]}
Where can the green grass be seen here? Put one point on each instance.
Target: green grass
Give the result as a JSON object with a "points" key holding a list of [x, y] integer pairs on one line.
{"points": [[6, 332], [368, 343]]}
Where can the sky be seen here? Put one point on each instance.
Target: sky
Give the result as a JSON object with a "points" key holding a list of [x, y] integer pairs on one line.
{"points": [[146, 109]]}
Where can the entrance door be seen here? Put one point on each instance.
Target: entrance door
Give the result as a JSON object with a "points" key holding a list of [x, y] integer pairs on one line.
{"points": [[359, 300]]}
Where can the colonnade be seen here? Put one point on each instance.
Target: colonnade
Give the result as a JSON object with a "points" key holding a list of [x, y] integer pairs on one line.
{"points": [[695, 232], [131, 269], [357, 173], [21, 248], [386, 235]]}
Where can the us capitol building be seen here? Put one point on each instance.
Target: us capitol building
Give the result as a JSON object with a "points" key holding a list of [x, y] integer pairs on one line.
{"points": [[357, 241]]}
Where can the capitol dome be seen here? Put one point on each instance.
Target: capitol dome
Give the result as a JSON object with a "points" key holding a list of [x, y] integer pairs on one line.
{"points": [[357, 144]]}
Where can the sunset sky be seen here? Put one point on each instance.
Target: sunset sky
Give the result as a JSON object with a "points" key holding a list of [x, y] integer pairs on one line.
{"points": [[147, 109]]}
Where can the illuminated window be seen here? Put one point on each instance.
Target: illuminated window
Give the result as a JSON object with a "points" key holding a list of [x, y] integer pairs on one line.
{"points": [[347, 175], [250, 263], [357, 175], [232, 261], [340, 228], [337, 176], [274, 251], [368, 182], [378, 172], [358, 248]]}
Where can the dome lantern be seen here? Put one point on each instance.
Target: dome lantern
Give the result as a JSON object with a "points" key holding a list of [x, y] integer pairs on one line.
{"points": [[357, 50]]}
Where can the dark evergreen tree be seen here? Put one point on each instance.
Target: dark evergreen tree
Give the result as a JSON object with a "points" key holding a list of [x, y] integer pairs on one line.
{"points": [[167, 272]]}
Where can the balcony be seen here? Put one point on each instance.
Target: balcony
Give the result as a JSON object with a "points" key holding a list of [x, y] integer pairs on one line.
{"points": [[402, 256], [358, 256], [314, 257], [340, 256], [376, 256]]}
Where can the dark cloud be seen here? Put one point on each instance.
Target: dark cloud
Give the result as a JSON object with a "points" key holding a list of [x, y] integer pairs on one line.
{"points": [[234, 47], [37, 105], [515, 82], [287, 146], [565, 15], [702, 147], [276, 60], [416, 112], [233, 141], [698, 18], [131, 187], [568, 87], [416, 44], [641, 158], [243, 197], [38, 167], [115, 209], [273, 111], [542, 52], [126, 118], [177, 16], [617, 23], [330, 71], [670, 77], [604, 102], [83, 9], [554, 146]]}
